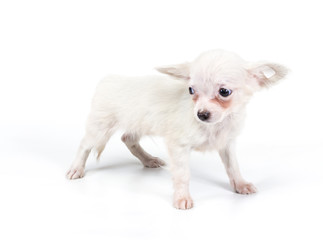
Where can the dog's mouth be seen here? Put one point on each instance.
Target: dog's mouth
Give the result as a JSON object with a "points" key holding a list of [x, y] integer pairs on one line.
{"points": [[209, 122], [206, 121]]}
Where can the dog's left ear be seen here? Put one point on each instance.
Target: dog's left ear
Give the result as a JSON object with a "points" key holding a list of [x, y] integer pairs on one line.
{"points": [[180, 71], [266, 74]]}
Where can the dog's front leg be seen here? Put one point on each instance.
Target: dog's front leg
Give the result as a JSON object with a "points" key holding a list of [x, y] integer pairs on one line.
{"points": [[179, 167], [231, 165]]}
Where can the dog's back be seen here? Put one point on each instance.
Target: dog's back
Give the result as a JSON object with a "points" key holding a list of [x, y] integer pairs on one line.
{"points": [[147, 105]]}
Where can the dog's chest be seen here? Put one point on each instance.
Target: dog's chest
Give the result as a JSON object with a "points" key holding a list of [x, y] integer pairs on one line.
{"points": [[215, 137]]}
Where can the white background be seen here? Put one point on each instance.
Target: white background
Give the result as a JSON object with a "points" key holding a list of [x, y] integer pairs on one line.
{"points": [[52, 54]]}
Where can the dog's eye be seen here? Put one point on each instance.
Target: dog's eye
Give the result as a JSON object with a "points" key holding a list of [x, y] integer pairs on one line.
{"points": [[225, 92], [191, 90]]}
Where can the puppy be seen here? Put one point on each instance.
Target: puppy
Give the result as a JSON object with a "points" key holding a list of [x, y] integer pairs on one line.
{"points": [[199, 105]]}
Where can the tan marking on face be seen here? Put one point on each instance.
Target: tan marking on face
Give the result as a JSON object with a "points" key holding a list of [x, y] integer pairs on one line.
{"points": [[223, 103], [195, 97]]}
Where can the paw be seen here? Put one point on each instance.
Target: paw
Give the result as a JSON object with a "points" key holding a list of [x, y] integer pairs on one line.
{"points": [[154, 162], [183, 203], [245, 188], [75, 173]]}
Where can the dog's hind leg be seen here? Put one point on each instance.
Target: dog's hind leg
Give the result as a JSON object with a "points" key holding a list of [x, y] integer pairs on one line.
{"points": [[96, 137], [132, 142]]}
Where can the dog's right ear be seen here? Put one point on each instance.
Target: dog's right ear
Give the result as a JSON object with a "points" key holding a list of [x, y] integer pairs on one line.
{"points": [[180, 71]]}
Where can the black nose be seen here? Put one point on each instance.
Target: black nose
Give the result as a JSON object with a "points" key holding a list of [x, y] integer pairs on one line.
{"points": [[203, 115]]}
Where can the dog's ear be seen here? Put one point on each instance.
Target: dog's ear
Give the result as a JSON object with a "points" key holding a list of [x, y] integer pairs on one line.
{"points": [[266, 74], [181, 71]]}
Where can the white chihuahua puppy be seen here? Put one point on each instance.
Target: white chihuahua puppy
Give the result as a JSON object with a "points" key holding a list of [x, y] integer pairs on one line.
{"points": [[198, 105]]}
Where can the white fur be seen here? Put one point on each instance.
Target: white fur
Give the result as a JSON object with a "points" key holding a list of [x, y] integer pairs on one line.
{"points": [[162, 106]]}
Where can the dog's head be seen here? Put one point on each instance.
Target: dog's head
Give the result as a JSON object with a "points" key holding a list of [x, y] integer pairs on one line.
{"points": [[221, 82]]}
